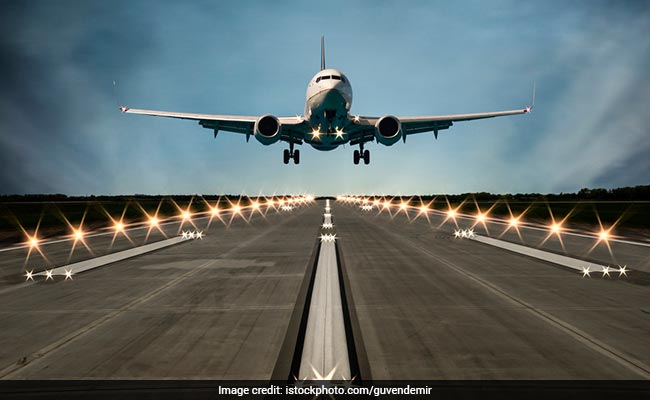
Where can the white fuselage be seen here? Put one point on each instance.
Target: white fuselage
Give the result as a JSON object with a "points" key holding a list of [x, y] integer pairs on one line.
{"points": [[327, 109]]}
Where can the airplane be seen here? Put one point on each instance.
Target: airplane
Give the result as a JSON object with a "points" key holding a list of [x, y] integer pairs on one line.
{"points": [[327, 123]]}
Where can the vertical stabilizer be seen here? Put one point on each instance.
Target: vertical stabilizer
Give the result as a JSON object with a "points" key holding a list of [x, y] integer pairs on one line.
{"points": [[322, 52]]}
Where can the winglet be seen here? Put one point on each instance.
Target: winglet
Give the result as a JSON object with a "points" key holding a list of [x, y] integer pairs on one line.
{"points": [[322, 52], [532, 100], [117, 101]]}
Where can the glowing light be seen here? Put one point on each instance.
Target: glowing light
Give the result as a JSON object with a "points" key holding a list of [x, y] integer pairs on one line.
{"points": [[48, 274], [386, 204], [287, 208], [236, 209], [464, 233], [339, 133], [606, 271], [29, 275], [424, 209], [375, 202], [315, 133], [255, 205], [328, 225], [403, 205], [480, 217], [310, 198], [514, 221], [604, 235], [366, 207], [556, 228], [186, 215], [328, 237], [153, 221], [215, 211], [68, 274], [451, 213], [119, 226], [356, 118], [585, 272], [622, 270], [78, 234], [33, 242]]}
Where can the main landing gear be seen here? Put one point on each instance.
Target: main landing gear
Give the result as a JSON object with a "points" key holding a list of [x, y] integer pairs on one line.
{"points": [[359, 154], [291, 153]]}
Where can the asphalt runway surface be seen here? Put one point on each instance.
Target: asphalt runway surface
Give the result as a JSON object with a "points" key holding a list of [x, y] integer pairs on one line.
{"points": [[425, 305]]}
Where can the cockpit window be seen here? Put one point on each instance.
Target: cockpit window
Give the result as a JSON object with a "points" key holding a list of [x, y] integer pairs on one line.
{"points": [[336, 77]]}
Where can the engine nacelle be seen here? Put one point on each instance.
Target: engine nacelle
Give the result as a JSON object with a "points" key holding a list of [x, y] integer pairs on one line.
{"points": [[388, 130], [268, 129]]}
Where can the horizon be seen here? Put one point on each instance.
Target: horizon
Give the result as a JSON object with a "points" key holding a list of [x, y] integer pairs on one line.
{"points": [[577, 193]]}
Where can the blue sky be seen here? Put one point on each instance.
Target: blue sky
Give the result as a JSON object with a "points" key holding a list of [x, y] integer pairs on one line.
{"points": [[60, 131]]}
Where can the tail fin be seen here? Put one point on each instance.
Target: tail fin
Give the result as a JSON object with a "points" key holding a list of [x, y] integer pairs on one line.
{"points": [[322, 52]]}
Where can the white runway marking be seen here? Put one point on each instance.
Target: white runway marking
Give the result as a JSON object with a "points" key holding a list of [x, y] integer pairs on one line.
{"points": [[570, 262], [327, 219], [325, 350], [111, 258]]}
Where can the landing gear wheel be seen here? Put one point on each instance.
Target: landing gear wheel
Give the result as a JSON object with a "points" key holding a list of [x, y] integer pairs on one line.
{"points": [[286, 156], [296, 156], [366, 157], [355, 157]]}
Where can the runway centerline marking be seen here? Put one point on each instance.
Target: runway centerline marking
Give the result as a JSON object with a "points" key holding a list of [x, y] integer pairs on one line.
{"points": [[325, 353]]}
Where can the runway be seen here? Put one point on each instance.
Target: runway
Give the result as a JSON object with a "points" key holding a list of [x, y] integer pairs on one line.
{"points": [[423, 304]]}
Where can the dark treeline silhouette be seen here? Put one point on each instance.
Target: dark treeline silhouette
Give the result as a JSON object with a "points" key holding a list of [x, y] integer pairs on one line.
{"points": [[630, 193], [134, 197], [636, 193]]}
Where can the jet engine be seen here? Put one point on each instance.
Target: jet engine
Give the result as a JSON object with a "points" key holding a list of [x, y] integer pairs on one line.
{"points": [[388, 130], [268, 129]]}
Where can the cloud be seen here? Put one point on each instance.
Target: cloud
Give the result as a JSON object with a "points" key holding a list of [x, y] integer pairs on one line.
{"points": [[60, 131]]}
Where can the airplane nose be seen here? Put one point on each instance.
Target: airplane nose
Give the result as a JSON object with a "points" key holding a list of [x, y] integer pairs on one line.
{"points": [[332, 84]]}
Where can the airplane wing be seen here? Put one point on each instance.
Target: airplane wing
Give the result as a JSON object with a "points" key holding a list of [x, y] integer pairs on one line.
{"points": [[293, 128], [362, 128]]}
